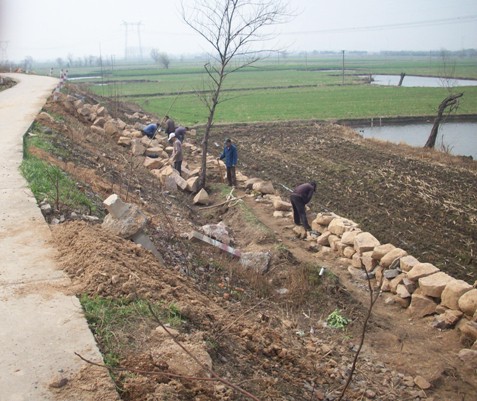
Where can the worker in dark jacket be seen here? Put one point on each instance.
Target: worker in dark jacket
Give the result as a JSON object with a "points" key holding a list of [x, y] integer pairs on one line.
{"points": [[170, 125], [181, 133], [230, 155], [300, 196]]}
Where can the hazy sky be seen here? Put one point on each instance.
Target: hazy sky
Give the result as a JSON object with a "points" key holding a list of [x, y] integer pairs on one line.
{"points": [[47, 29]]}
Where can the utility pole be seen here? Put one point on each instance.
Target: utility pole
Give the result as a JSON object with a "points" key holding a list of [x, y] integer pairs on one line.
{"points": [[125, 40], [139, 38], [342, 68], [136, 53]]}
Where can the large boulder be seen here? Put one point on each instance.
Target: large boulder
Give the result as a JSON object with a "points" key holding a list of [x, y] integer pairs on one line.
{"points": [[368, 262], [452, 292], [258, 261], [124, 141], [421, 305], [323, 239], [469, 357], [323, 219], [447, 320], [433, 285], [193, 184], [280, 205], [97, 130], [391, 256], [264, 187], [421, 270], [124, 219], [153, 164], [468, 302], [217, 231], [202, 198], [249, 183], [364, 242], [137, 148], [381, 250], [407, 262], [180, 182], [348, 237], [339, 225], [469, 329], [110, 128]]}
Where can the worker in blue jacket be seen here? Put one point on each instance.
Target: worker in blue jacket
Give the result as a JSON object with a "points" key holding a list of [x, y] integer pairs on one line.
{"points": [[150, 130], [231, 157]]}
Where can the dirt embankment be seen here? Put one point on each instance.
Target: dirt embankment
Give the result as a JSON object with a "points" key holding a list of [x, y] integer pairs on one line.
{"points": [[276, 347]]}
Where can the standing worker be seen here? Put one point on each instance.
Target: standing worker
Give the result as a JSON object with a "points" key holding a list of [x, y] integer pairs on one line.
{"points": [[180, 133], [300, 196], [170, 125], [176, 152], [230, 155]]}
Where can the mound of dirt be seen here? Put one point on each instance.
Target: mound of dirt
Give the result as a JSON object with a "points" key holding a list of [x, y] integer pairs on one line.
{"points": [[100, 263]]}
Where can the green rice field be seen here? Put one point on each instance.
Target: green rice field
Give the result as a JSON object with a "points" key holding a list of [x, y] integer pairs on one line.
{"points": [[289, 89]]}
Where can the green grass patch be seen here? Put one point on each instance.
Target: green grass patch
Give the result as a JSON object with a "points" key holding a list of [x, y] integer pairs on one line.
{"points": [[321, 103], [50, 182], [114, 322], [293, 88]]}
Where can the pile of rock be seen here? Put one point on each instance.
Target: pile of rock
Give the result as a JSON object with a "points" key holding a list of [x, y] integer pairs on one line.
{"points": [[420, 287], [157, 152]]}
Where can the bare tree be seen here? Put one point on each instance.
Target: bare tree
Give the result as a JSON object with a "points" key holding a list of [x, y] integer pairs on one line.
{"points": [[70, 59], [231, 28], [155, 55], [160, 58], [164, 60], [450, 103]]}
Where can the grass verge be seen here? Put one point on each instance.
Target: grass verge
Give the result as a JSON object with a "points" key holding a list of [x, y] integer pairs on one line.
{"points": [[49, 182]]}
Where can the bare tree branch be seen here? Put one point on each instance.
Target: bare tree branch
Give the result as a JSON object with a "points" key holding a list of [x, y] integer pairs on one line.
{"points": [[231, 28], [205, 367], [372, 300]]}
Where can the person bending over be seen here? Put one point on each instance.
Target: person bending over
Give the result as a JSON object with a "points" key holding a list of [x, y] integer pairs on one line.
{"points": [[300, 196]]}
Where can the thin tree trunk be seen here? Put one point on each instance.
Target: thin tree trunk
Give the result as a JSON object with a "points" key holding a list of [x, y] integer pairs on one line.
{"points": [[449, 101], [403, 74]]}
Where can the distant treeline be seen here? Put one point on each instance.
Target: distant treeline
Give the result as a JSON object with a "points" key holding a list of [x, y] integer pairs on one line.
{"points": [[433, 53], [420, 53]]}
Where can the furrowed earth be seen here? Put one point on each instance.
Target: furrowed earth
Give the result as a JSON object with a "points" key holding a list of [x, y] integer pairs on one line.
{"points": [[274, 346]]}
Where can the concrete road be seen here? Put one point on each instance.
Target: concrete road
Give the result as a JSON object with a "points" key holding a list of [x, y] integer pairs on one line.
{"points": [[40, 326]]}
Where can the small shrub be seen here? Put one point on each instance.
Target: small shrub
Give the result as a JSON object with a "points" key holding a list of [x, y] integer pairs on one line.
{"points": [[336, 320]]}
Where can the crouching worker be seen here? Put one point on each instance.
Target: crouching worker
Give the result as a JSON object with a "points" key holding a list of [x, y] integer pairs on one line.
{"points": [[300, 196], [150, 130]]}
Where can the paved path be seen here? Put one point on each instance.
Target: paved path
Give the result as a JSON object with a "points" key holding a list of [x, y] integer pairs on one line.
{"points": [[40, 326]]}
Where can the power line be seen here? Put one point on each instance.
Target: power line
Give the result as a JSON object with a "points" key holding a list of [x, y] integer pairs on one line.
{"points": [[415, 24]]}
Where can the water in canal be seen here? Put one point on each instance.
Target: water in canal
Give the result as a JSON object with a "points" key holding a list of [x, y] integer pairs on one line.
{"points": [[459, 138]]}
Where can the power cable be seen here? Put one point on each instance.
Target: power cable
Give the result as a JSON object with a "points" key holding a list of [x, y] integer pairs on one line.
{"points": [[415, 24]]}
